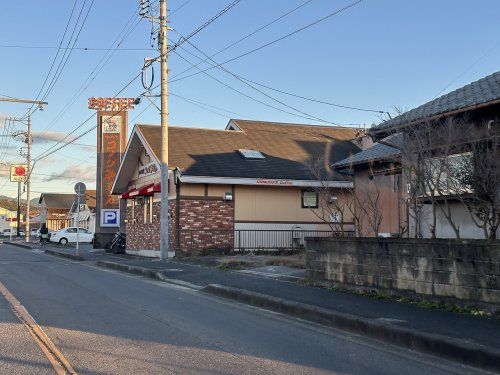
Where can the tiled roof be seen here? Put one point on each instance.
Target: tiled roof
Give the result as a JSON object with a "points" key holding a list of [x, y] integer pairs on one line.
{"points": [[57, 201], [483, 91], [378, 151], [287, 149]]}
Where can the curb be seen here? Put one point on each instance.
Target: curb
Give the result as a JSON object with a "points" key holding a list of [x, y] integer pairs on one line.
{"points": [[145, 272], [18, 245], [64, 255], [454, 349]]}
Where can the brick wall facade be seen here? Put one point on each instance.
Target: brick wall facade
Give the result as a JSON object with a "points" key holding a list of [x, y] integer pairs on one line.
{"points": [[204, 223]]}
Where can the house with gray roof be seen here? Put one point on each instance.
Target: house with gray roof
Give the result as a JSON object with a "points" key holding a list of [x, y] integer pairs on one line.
{"points": [[448, 155]]}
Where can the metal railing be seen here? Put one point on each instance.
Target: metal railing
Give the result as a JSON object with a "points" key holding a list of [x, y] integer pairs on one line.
{"points": [[242, 240]]}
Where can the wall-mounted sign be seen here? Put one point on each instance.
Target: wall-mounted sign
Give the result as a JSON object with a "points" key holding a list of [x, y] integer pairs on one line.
{"points": [[111, 104], [274, 182], [110, 218], [18, 172], [111, 124], [148, 169]]}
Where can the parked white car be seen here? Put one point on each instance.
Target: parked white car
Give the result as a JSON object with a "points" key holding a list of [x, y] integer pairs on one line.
{"points": [[63, 236]]}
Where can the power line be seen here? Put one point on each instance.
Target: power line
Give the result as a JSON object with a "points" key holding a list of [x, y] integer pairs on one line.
{"points": [[203, 26], [57, 53], [180, 7], [202, 105], [73, 48], [337, 12], [247, 36], [126, 31], [244, 94]]}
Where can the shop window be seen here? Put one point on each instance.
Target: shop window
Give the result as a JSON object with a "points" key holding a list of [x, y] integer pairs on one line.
{"points": [[309, 199], [148, 210]]}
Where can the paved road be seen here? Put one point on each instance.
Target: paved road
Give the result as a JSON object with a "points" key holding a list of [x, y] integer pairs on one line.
{"points": [[110, 323]]}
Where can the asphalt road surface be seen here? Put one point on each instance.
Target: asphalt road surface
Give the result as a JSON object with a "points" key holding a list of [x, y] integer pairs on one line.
{"points": [[105, 322]]}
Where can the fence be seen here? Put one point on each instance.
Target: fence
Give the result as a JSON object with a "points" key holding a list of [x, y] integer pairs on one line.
{"points": [[242, 240]]}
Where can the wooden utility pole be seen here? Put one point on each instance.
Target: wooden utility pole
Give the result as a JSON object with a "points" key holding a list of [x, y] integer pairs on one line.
{"points": [[40, 105], [164, 219]]}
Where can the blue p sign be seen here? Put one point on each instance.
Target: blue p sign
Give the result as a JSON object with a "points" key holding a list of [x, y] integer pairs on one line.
{"points": [[110, 218]]}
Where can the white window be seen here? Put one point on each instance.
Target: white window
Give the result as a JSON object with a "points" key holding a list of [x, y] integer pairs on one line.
{"points": [[451, 174], [309, 199], [251, 154]]}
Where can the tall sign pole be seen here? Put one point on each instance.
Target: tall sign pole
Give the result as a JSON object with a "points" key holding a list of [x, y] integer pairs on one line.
{"points": [[164, 220]]}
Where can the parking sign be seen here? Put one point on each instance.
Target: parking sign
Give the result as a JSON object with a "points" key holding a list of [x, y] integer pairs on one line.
{"points": [[110, 217]]}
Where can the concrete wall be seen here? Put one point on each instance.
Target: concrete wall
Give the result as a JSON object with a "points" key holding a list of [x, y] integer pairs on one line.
{"points": [[461, 270]]}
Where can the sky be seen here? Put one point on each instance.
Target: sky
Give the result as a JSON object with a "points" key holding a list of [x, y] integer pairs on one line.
{"points": [[377, 55]]}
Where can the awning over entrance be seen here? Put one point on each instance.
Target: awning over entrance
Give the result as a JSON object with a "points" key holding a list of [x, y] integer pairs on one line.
{"points": [[156, 188], [144, 191], [131, 194]]}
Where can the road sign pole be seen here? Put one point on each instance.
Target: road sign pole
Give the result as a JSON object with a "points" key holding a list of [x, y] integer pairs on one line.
{"points": [[78, 226]]}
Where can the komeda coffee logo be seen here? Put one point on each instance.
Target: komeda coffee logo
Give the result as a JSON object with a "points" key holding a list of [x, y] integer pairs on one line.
{"points": [[148, 169], [111, 124]]}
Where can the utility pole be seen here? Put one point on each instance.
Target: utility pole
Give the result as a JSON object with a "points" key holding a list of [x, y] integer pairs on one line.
{"points": [[18, 222], [40, 105], [28, 162], [164, 220]]}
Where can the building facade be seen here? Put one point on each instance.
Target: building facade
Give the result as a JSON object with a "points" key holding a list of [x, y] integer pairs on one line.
{"points": [[228, 187]]}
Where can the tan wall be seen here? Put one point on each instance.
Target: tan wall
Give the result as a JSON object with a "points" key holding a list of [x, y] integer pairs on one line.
{"points": [[218, 190], [262, 203], [193, 190], [388, 188]]}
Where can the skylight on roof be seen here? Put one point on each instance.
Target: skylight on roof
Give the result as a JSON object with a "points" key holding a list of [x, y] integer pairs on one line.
{"points": [[251, 154]]}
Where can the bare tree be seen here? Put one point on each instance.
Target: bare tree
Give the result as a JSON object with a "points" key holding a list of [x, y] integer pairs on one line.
{"points": [[449, 161], [331, 208]]}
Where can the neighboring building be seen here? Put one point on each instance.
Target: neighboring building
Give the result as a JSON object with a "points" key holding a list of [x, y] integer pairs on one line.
{"points": [[251, 176], [8, 219], [451, 147], [86, 217], [55, 209], [378, 189]]}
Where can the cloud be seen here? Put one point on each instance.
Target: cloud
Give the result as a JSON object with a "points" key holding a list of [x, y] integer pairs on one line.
{"points": [[86, 174], [50, 136]]}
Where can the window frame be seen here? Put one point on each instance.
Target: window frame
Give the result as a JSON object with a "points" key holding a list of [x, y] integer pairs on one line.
{"points": [[303, 192]]}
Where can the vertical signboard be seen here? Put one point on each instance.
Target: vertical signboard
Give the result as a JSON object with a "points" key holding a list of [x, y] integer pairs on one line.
{"points": [[111, 143], [111, 149]]}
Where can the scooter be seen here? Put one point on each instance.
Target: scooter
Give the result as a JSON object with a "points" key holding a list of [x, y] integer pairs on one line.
{"points": [[117, 244]]}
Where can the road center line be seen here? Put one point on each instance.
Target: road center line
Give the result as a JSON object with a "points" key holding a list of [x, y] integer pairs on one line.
{"points": [[55, 357]]}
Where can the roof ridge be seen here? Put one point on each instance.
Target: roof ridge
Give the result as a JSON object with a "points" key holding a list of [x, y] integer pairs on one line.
{"points": [[295, 124]]}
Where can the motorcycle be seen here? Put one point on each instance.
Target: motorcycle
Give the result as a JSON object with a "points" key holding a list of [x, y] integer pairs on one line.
{"points": [[117, 244]]}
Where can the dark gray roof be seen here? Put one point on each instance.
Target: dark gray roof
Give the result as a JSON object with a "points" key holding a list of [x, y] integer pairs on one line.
{"points": [[288, 148], [483, 91], [378, 151]]}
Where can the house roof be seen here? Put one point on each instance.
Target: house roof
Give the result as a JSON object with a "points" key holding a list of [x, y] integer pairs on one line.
{"points": [[287, 149], [57, 200], [481, 92], [379, 151], [91, 198]]}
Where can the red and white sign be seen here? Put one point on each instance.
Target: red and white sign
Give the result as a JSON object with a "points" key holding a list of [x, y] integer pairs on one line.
{"points": [[111, 104], [18, 172]]}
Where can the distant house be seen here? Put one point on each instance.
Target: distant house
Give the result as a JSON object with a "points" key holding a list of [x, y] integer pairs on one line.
{"points": [[227, 185], [55, 209], [444, 168], [84, 217], [378, 186]]}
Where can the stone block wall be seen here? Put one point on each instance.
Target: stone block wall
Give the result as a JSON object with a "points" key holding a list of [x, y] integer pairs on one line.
{"points": [[462, 270]]}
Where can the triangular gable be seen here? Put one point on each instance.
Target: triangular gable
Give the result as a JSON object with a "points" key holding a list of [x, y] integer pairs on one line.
{"points": [[135, 146]]}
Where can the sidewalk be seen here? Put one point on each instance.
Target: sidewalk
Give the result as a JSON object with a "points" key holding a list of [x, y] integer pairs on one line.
{"points": [[472, 340]]}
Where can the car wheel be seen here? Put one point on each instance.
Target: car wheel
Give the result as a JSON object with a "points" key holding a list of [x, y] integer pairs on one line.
{"points": [[63, 241]]}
